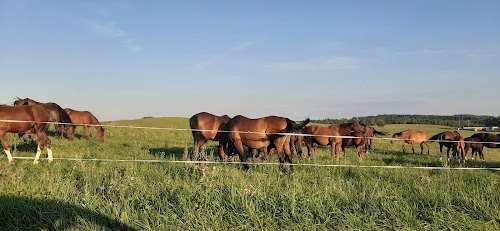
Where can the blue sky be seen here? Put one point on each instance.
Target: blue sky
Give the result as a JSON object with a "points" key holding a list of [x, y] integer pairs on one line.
{"points": [[318, 59]]}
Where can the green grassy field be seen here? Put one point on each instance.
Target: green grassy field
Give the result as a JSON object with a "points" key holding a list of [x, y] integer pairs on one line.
{"points": [[102, 195]]}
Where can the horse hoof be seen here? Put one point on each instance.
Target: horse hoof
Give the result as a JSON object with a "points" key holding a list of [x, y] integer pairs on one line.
{"points": [[35, 162]]}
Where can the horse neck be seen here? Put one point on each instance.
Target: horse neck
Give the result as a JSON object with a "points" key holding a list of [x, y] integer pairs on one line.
{"points": [[344, 130]]}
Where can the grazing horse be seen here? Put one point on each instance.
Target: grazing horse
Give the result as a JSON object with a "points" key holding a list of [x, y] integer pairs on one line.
{"points": [[37, 116], [445, 139], [477, 147], [489, 140], [458, 147], [85, 118], [358, 140], [57, 114], [331, 135], [261, 133], [412, 137], [370, 133], [206, 126]]}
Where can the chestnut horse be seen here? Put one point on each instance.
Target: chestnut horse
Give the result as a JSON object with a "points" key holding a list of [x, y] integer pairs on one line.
{"points": [[475, 145], [445, 139], [331, 135], [412, 137], [458, 146], [206, 126], [358, 140], [37, 116], [85, 118], [57, 114], [261, 133]]}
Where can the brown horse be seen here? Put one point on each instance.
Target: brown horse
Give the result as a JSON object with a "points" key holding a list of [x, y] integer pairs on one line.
{"points": [[475, 145], [37, 116], [358, 140], [206, 126], [261, 133], [445, 139], [458, 146], [331, 135], [412, 137], [489, 140], [370, 133], [57, 114], [85, 118]]}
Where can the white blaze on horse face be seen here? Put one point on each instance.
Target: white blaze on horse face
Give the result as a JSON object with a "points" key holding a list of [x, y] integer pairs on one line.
{"points": [[38, 151], [49, 153], [9, 156]]}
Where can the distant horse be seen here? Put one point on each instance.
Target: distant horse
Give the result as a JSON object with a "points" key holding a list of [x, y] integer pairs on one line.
{"points": [[330, 135], [412, 137], [261, 133], [37, 116], [370, 133], [85, 118], [458, 147], [57, 114], [206, 126], [358, 140], [445, 139], [477, 148]]}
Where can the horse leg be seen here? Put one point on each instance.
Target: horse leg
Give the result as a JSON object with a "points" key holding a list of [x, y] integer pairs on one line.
{"points": [[412, 148], [309, 144], [3, 138], [404, 147], [241, 152], [85, 131], [289, 157], [332, 149], [421, 148], [338, 148], [360, 152], [440, 152], [298, 146]]}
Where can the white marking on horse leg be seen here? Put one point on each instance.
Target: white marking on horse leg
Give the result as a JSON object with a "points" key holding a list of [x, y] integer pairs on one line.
{"points": [[38, 151], [49, 153], [9, 156]]}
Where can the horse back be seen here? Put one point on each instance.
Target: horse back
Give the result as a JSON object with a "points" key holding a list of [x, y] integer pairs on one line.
{"points": [[33, 114]]}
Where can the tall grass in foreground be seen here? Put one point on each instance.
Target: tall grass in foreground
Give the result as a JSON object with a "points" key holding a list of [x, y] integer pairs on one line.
{"points": [[162, 196]]}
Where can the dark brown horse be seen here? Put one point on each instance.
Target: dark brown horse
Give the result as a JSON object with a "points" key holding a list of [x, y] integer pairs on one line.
{"points": [[412, 137], [370, 133], [331, 135], [475, 145], [458, 147], [57, 114], [489, 140], [261, 133], [358, 140], [206, 126], [38, 117], [445, 139], [86, 119]]}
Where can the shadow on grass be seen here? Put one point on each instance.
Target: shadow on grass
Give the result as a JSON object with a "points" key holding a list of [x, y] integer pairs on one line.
{"points": [[20, 213]]}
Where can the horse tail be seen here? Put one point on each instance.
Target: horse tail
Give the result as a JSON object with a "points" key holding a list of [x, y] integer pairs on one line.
{"points": [[301, 125], [292, 126], [193, 123], [99, 128], [436, 137], [379, 132], [63, 116]]}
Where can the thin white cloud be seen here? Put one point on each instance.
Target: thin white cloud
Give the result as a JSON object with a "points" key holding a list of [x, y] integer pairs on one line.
{"points": [[220, 56], [419, 52], [111, 30], [324, 64]]}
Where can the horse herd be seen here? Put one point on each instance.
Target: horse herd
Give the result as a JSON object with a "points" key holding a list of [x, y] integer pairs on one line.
{"points": [[38, 116], [270, 134], [274, 133]]}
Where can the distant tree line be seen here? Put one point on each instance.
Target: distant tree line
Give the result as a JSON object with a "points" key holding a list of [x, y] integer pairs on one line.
{"points": [[452, 120]]}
